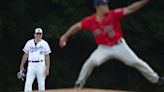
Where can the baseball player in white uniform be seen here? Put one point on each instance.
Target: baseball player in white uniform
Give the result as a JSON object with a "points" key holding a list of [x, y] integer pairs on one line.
{"points": [[36, 52]]}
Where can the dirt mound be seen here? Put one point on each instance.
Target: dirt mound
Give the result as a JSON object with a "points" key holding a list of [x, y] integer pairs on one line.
{"points": [[83, 90]]}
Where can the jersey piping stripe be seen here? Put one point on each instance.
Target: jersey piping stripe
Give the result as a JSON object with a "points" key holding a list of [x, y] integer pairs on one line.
{"points": [[25, 51], [47, 52]]}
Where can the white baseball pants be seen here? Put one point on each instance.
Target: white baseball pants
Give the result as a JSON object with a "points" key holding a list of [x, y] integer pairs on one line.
{"points": [[121, 52], [35, 70]]}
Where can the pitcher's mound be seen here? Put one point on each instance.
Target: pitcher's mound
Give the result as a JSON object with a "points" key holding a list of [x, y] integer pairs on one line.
{"points": [[83, 90]]}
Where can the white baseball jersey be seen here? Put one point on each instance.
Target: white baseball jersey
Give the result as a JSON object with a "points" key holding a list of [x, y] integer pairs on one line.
{"points": [[36, 51]]}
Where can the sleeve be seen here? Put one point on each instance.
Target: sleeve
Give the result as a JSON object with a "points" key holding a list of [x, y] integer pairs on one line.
{"points": [[85, 23], [26, 47], [118, 14], [47, 49]]}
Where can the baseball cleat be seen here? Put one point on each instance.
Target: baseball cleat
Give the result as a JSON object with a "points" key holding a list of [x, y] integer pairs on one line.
{"points": [[161, 81], [78, 86]]}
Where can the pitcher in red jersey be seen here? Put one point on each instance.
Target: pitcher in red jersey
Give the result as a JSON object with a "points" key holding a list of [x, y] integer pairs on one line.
{"points": [[105, 25]]}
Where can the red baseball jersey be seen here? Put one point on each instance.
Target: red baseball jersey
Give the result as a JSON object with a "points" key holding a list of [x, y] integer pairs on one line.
{"points": [[108, 31]]}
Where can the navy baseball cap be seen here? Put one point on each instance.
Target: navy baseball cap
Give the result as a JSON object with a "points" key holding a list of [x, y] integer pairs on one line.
{"points": [[100, 2]]}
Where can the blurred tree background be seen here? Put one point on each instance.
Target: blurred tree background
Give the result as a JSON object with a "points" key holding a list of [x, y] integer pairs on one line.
{"points": [[143, 30]]}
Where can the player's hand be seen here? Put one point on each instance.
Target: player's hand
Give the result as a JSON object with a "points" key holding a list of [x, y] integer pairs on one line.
{"points": [[63, 41], [46, 72]]}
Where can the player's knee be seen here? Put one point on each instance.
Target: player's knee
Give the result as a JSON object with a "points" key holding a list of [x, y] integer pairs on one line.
{"points": [[134, 63], [92, 63]]}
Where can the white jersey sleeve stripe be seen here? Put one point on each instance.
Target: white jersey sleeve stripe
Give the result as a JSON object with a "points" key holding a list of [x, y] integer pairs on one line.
{"points": [[47, 52], [25, 51]]}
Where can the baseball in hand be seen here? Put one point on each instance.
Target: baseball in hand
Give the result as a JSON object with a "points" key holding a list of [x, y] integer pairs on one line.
{"points": [[64, 43]]}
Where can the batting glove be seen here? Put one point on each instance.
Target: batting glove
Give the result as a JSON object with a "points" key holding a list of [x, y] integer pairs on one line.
{"points": [[21, 74]]}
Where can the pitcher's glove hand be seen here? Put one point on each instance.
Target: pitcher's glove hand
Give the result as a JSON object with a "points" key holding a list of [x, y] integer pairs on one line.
{"points": [[21, 74]]}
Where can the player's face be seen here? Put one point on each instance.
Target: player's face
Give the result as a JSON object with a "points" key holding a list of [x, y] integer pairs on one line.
{"points": [[103, 8], [38, 36]]}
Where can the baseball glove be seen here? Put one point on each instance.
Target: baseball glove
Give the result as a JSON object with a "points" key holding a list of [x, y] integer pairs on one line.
{"points": [[21, 74]]}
